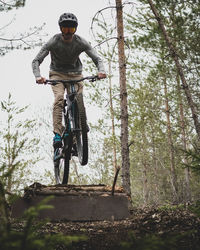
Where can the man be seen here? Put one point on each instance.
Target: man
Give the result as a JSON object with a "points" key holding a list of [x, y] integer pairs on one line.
{"points": [[65, 49]]}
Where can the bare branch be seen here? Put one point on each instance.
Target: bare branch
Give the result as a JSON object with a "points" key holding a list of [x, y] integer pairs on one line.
{"points": [[100, 11], [7, 24], [23, 41], [23, 37], [109, 7], [99, 44]]}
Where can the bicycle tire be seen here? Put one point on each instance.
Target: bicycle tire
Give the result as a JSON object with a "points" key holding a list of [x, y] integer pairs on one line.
{"points": [[62, 165], [57, 166], [67, 159], [81, 134]]}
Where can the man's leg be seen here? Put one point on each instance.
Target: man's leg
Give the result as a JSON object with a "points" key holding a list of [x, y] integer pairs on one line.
{"points": [[58, 91], [79, 89]]}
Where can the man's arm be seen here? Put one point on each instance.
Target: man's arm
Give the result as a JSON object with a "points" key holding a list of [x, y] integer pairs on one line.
{"points": [[98, 62], [37, 61]]}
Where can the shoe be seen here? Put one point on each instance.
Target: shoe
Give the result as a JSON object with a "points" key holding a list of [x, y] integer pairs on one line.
{"points": [[57, 141]]}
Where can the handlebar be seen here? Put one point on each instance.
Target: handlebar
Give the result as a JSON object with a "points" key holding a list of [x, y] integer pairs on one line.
{"points": [[90, 78]]}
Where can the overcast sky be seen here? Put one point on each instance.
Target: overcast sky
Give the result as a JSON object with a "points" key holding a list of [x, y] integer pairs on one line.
{"points": [[15, 67]]}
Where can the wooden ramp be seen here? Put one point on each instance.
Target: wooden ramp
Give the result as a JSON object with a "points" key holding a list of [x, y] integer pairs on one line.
{"points": [[76, 203]]}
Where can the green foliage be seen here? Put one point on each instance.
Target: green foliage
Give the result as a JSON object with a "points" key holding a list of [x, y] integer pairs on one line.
{"points": [[9, 5], [155, 242], [195, 208], [193, 159], [169, 207], [149, 65], [18, 146], [32, 235], [148, 125]]}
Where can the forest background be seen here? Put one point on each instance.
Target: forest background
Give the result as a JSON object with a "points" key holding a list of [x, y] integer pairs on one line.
{"points": [[163, 139]]}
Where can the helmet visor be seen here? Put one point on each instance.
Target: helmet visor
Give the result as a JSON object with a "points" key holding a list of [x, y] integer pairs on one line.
{"points": [[70, 30]]}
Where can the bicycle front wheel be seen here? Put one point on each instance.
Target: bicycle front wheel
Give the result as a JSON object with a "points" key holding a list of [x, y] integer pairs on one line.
{"points": [[81, 130], [62, 164]]}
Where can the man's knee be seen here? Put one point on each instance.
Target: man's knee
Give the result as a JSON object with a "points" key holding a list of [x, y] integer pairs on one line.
{"points": [[59, 99]]}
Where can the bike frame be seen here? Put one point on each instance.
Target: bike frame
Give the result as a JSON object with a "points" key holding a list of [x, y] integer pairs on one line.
{"points": [[72, 113], [68, 115], [69, 101]]}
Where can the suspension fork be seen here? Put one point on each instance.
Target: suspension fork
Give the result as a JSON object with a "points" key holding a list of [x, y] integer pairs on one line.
{"points": [[70, 107], [69, 119]]}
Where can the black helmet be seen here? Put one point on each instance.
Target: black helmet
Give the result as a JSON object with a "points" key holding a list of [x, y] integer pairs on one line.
{"points": [[68, 19]]}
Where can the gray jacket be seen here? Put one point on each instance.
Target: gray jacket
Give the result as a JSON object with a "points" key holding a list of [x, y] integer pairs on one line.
{"points": [[65, 56]]}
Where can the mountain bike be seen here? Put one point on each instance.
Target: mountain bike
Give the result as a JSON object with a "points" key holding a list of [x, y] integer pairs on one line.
{"points": [[74, 136]]}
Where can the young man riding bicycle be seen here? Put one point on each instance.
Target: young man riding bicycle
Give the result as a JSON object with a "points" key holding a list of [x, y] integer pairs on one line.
{"points": [[65, 49]]}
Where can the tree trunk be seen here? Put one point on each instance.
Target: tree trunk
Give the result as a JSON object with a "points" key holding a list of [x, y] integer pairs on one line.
{"points": [[145, 166], [145, 183], [174, 55], [123, 101], [182, 125], [113, 123], [155, 167], [171, 147]]}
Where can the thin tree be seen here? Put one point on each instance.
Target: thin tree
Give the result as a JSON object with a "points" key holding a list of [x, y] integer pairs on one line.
{"points": [[112, 121], [171, 145], [145, 163], [109, 54], [184, 141], [123, 100]]}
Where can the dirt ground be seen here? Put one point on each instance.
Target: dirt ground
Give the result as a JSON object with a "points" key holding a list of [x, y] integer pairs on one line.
{"points": [[147, 228]]}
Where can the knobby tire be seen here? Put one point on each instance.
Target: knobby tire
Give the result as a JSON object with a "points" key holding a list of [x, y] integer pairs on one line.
{"points": [[81, 136], [68, 141], [62, 166], [67, 162]]}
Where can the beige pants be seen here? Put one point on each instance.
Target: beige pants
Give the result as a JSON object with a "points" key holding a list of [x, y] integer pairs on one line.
{"points": [[59, 90]]}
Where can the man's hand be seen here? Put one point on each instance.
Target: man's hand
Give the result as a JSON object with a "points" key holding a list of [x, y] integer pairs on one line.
{"points": [[101, 75], [41, 80]]}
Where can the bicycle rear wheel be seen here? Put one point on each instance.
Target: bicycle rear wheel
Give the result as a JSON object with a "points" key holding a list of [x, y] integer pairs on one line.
{"points": [[82, 130], [62, 159]]}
